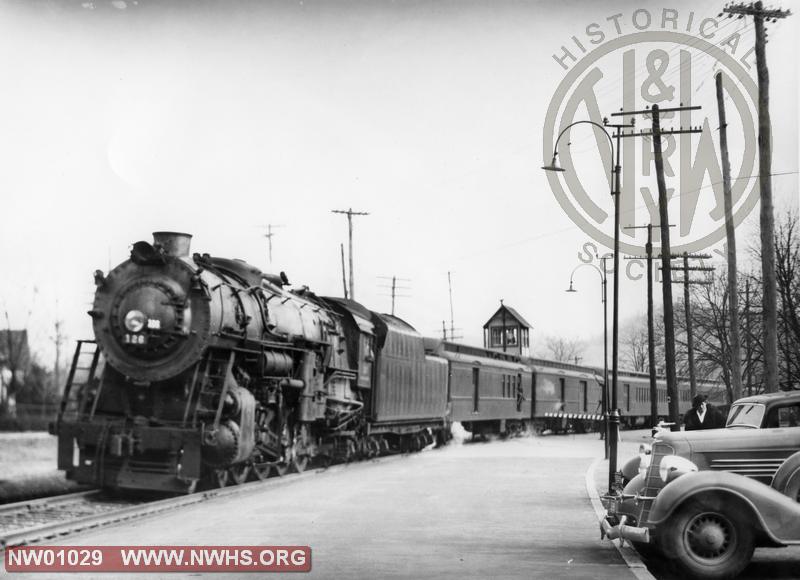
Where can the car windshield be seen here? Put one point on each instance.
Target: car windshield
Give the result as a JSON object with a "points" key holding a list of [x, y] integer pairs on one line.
{"points": [[746, 415]]}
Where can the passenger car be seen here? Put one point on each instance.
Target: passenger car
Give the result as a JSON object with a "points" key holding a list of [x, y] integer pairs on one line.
{"points": [[764, 411], [707, 498]]}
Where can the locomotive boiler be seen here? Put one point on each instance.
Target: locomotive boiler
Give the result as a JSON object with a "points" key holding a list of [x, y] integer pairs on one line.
{"points": [[207, 371]]}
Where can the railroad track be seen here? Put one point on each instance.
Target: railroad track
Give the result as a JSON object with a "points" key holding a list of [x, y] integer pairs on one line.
{"points": [[42, 512], [46, 519]]}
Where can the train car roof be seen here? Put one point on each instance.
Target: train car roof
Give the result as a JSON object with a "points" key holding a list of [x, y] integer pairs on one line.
{"points": [[359, 310], [360, 316], [434, 345], [350, 305], [468, 354], [395, 321], [552, 364], [582, 372]]}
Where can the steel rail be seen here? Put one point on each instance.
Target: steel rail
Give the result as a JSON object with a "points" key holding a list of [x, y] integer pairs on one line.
{"points": [[69, 527]]}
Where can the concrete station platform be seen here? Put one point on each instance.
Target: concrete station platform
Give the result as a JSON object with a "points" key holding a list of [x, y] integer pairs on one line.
{"points": [[505, 509]]}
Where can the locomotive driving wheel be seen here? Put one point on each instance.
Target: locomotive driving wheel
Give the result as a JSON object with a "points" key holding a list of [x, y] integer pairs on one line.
{"points": [[372, 447], [301, 448], [239, 472], [287, 452], [261, 471], [267, 458], [220, 477]]}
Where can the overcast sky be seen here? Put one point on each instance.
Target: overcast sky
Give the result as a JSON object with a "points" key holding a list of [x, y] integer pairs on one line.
{"points": [[121, 118]]}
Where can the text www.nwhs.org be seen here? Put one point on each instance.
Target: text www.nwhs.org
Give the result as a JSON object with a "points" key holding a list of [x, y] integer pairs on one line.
{"points": [[158, 559]]}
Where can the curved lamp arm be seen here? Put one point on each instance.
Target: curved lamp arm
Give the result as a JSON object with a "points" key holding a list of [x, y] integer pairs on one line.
{"points": [[597, 269], [554, 167], [571, 125]]}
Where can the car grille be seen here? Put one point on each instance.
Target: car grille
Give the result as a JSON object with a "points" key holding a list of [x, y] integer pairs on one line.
{"points": [[653, 483], [761, 469]]}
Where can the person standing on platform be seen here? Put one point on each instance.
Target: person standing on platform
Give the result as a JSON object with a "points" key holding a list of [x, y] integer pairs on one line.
{"points": [[702, 415]]}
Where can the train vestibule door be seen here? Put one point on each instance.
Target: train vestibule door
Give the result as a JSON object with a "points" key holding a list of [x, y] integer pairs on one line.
{"points": [[476, 395]]}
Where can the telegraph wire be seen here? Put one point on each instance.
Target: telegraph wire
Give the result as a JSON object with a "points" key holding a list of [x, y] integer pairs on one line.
{"points": [[638, 207]]}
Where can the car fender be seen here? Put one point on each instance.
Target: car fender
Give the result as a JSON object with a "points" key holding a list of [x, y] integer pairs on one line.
{"points": [[629, 504], [777, 515], [635, 485], [631, 468], [786, 478]]}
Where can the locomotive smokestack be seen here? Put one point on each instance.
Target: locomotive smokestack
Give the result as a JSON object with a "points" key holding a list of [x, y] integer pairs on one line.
{"points": [[174, 244]]}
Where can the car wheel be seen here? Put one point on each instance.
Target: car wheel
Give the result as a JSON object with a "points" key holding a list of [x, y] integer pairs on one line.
{"points": [[709, 541], [792, 487], [787, 478]]}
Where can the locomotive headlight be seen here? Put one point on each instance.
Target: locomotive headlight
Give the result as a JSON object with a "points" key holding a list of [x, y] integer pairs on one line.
{"points": [[673, 466], [135, 320]]}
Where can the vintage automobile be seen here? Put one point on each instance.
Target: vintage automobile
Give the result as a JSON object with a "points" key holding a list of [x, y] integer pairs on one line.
{"points": [[763, 411], [706, 499]]}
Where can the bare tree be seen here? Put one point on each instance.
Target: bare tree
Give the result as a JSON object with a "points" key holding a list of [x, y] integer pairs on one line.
{"points": [[710, 326], [563, 349], [634, 345], [787, 265], [14, 362]]}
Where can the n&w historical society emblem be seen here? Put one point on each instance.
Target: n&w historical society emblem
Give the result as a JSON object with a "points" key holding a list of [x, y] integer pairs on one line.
{"points": [[632, 62]]}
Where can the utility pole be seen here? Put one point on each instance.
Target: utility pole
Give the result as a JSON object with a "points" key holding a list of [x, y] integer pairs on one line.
{"points": [[452, 323], [730, 234], [393, 287], [350, 213], [689, 339], [394, 291], [344, 281], [669, 325], [651, 331], [687, 309], [747, 337], [651, 340], [58, 340], [269, 236], [769, 299]]}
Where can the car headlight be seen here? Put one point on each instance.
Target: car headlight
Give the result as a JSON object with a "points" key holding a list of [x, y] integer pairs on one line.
{"points": [[135, 320], [673, 466], [645, 455], [644, 463]]}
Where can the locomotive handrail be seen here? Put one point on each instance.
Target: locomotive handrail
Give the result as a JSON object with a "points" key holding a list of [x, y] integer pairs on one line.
{"points": [[65, 399], [221, 404], [68, 386], [191, 391]]}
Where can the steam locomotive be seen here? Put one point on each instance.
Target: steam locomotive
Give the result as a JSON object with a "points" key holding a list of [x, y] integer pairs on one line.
{"points": [[205, 371]]}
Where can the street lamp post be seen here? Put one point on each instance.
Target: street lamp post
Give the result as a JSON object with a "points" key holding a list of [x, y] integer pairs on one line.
{"points": [[616, 170], [604, 299]]}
